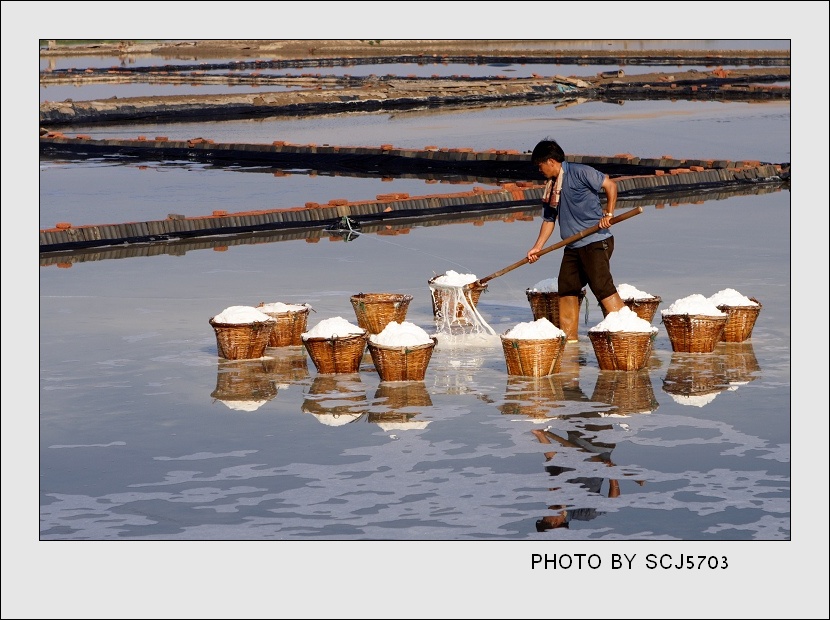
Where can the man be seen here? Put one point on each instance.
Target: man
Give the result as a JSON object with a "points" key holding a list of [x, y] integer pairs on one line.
{"points": [[572, 195]]}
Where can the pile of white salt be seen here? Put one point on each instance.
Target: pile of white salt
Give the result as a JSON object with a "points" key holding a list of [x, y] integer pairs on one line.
{"points": [[403, 334], [241, 315], [626, 291], [695, 304], [623, 320], [731, 297], [335, 327], [540, 329]]}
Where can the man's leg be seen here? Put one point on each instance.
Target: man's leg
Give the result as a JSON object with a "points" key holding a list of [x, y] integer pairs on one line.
{"points": [[569, 316], [612, 303]]}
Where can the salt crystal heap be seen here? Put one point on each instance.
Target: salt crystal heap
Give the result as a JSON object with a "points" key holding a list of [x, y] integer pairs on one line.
{"points": [[403, 334], [626, 291], [545, 286], [695, 304], [623, 320], [335, 327], [540, 329], [453, 278], [279, 308], [731, 297], [241, 315]]}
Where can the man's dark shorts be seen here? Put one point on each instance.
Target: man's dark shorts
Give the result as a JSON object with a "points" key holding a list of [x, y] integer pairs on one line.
{"points": [[591, 265]]}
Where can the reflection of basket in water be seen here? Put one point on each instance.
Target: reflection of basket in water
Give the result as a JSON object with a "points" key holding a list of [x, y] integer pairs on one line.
{"points": [[628, 392], [289, 327], [336, 400], [337, 354], [241, 341], [740, 363], [531, 357], [287, 365], [622, 350], [244, 381], [694, 333], [374, 311], [534, 397], [402, 363], [739, 321], [445, 296], [694, 375], [402, 395], [545, 304]]}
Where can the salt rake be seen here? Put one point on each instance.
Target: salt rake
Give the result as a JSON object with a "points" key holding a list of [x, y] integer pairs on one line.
{"points": [[588, 231]]}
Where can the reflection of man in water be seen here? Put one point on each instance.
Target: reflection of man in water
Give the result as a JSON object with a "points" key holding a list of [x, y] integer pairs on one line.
{"points": [[602, 453]]}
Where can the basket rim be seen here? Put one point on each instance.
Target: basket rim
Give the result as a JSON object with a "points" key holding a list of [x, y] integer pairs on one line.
{"points": [[216, 324], [506, 338], [696, 316], [473, 285], [650, 332], [653, 298], [411, 347], [366, 296], [757, 305], [364, 334]]}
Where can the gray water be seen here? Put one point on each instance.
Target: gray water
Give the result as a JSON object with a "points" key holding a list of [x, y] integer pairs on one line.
{"points": [[138, 439]]}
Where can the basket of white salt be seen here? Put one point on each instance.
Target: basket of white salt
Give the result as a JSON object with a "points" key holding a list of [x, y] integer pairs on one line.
{"points": [[741, 314], [643, 304], [694, 324], [455, 296], [533, 349], [622, 340], [401, 352], [242, 332], [544, 300], [292, 320], [336, 346]]}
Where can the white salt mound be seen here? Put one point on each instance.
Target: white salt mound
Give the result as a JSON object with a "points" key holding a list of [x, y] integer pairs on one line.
{"points": [[244, 405], [627, 291], [453, 278], [241, 315], [540, 329], [694, 304], [279, 308], [403, 334], [551, 285], [623, 320], [731, 297], [334, 327]]}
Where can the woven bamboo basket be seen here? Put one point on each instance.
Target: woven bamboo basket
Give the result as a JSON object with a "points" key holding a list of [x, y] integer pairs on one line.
{"points": [[374, 311], [627, 392], [243, 381], [695, 375], [694, 333], [644, 308], [337, 354], [242, 341], [545, 304], [739, 321], [399, 396], [405, 363], [439, 297], [530, 357], [289, 328], [622, 350], [534, 397]]}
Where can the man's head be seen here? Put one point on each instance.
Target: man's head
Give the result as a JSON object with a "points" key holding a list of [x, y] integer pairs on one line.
{"points": [[545, 150]]}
